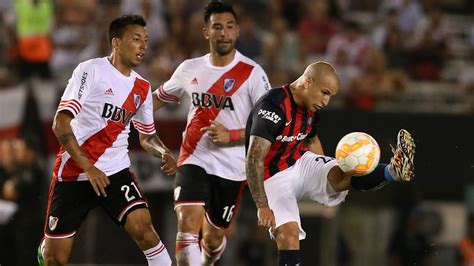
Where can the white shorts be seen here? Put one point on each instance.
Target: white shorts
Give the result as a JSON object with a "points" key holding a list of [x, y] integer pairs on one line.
{"points": [[306, 179]]}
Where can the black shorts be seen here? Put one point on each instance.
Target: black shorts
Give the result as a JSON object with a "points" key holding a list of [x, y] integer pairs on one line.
{"points": [[219, 196], [70, 202]]}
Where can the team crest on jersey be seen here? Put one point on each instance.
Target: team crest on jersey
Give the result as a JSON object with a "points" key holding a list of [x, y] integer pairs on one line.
{"points": [[136, 100], [53, 222], [177, 191], [228, 84]]}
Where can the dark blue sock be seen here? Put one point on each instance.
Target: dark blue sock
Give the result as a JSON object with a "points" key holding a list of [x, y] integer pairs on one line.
{"points": [[387, 175], [377, 179], [288, 257]]}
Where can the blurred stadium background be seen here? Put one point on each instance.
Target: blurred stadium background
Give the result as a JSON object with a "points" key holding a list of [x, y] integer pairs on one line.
{"points": [[402, 63]]}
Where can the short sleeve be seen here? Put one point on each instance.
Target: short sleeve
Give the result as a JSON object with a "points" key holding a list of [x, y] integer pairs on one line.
{"points": [[267, 120], [173, 89], [314, 125], [143, 119], [259, 84], [79, 86]]}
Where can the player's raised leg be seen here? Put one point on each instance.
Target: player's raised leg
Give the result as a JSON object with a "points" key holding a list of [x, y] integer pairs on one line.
{"points": [[400, 169], [402, 164]]}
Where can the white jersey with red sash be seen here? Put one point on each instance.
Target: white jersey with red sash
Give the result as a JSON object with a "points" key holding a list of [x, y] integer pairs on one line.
{"points": [[103, 102], [225, 94]]}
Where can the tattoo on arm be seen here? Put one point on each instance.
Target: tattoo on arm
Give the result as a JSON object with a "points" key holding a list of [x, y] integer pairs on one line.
{"points": [[63, 131], [258, 149], [69, 142], [66, 138]]}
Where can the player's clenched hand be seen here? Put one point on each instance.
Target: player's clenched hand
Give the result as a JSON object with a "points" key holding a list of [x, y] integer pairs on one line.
{"points": [[218, 134], [97, 179], [169, 163], [266, 217]]}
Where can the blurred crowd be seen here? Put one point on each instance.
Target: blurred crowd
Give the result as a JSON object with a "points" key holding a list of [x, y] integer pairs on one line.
{"points": [[22, 198], [382, 49]]}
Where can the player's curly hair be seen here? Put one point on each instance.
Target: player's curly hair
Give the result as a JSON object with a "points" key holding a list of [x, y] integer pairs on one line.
{"points": [[118, 25], [217, 7]]}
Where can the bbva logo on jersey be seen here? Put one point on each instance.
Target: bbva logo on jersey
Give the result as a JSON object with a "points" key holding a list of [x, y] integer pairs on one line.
{"points": [[209, 100], [117, 114]]}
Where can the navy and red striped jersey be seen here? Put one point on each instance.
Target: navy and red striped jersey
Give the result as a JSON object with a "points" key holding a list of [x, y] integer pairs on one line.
{"points": [[277, 118]]}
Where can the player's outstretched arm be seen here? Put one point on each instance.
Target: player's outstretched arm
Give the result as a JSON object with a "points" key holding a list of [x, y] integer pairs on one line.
{"points": [[254, 166], [63, 131], [154, 146], [157, 103]]}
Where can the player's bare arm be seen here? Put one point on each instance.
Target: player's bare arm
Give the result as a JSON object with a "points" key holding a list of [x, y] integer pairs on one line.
{"points": [[315, 145], [157, 103], [63, 131], [222, 136], [153, 145], [258, 149]]}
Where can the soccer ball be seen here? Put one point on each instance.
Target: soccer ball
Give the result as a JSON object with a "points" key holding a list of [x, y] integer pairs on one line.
{"points": [[357, 153]]}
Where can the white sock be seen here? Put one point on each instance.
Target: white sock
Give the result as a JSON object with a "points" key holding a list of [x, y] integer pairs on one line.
{"points": [[157, 255], [187, 249], [208, 256]]}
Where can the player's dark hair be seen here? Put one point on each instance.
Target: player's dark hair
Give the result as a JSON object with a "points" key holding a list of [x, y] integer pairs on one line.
{"points": [[117, 26], [214, 7]]}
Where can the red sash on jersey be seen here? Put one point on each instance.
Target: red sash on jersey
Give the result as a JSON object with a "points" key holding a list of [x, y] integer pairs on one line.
{"points": [[240, 72], [96, 145]]}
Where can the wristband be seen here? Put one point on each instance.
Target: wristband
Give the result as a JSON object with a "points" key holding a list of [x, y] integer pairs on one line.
{"points": [[234, 134]]}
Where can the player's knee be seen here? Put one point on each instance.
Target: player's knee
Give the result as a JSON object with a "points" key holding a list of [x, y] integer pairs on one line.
{"points": [[339, 180], [189, 222], [287, 241], [287, 236], [138, 230], [212, 240], [142, 231], [55, 258]]}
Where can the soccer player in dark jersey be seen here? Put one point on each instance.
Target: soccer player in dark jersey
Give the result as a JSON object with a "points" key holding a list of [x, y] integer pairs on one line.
{"points": [[285, 159]]}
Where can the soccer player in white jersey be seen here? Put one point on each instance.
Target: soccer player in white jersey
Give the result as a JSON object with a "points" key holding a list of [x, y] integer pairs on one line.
{"points": [[223, 86], [92, 124]]}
